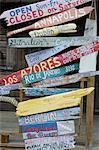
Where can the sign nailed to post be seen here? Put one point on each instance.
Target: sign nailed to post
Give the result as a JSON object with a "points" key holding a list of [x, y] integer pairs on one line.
{"points": [[38, 10], [56, 19], [52, 63]]}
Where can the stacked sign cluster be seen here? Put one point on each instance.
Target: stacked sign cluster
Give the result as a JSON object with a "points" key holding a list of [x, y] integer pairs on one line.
{"points": [[48, 122]]}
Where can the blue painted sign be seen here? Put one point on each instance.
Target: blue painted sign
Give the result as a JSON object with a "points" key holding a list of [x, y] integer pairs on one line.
{"points": [[46, 91], [35, 77]]}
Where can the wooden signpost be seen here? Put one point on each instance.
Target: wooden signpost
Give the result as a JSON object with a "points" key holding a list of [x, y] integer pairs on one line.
{"points": [[48, 129], [50, 143], [53, 31], [64, 114], [35, 77], [11, 100], [63, 80], [46, 91], [37, 57], [50, 41], [54, 102]]}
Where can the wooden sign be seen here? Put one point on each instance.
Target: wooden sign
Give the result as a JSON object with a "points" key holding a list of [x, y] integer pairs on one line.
{"points": [[46, 91], [38, 10], [37, 57], [63, 80], [64, 114], [35, 77], [48, 129], [4, 90], [53, 31], [54, 102], [11, 100], [88, 63], [50, 41], [50, 143], [52, 63]]}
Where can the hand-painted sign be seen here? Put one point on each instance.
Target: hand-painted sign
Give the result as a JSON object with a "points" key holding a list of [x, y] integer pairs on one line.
{"points": [[35, 77], [50, 41], [46, 91], [49, 103], [37, 57], [53, 31], [50, 143], [63, 114], [11, 100], [52, 63], [48, 129], [56, 19], [38, 10], [63, 80], [88, 63], [4, 90]]}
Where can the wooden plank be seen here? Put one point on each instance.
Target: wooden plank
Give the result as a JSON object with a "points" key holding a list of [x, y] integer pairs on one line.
{"points": [[89, 115], [11, 100], [50, 41], [59, 142], [52, 63], [39, 56], [63, 80], [53, 102], [53, 31], [46, 91], [63, 114], [35, 77], [38, 10]]}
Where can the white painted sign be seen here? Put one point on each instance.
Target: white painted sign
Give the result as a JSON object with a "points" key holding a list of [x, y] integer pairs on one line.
{"points": [[11, 100], [53, 31], [50, 41], [50, 143], [37, 57], [88, 63]]}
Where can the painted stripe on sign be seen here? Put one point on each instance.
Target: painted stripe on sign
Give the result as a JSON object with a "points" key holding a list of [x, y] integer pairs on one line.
{"points": [[49, 103], [50, 41], [46, 91], [38, 10], [50, 129], [64, 114], [50, 143], [63, 80], [35, 77]]}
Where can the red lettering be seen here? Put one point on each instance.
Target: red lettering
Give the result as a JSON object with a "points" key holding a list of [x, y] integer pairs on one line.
{"points": [[61, 7], [40, 12], [29, 17], [12, 21]]}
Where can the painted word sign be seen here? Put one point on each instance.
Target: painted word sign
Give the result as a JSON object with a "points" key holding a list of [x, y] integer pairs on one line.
{"points": [[46, 91], [54, 102], [53, 31], [37, 57], [88, 63], [52, 63], [64, 114], [11, 100], [49, 129], [38, 10], [50, 143], [6, 89], [63, 80], [50, 41], [35, 77]]}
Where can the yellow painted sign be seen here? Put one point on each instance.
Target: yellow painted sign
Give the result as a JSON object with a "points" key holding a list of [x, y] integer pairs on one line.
{"points": [[53, 102]]}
